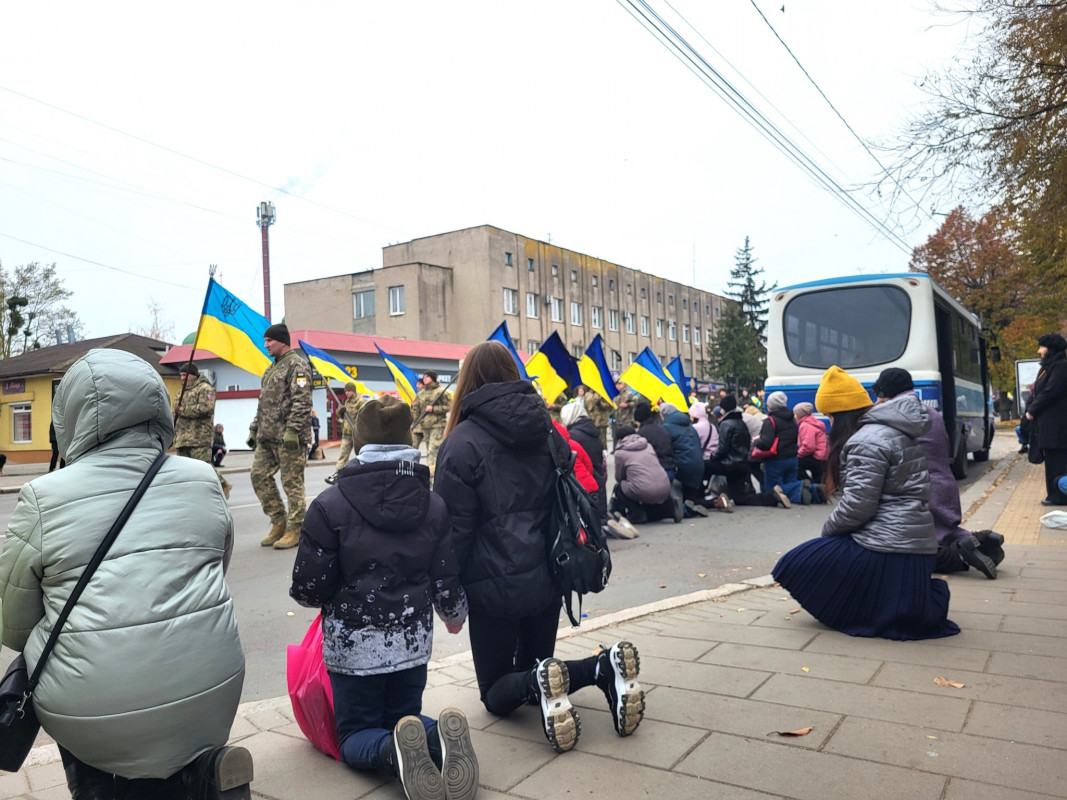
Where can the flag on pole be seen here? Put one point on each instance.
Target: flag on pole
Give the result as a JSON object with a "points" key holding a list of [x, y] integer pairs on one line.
{"points": [[677, 372], [330, 367], [407, 382], [502, 335], [593, 368], [647, 377], [232, 331], [554, 368]]}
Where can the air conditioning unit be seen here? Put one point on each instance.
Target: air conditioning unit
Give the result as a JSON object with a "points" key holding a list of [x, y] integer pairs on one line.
{"points": [[548, 299]]}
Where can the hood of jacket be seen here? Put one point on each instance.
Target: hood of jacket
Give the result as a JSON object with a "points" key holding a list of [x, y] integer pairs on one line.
{"points": [[392, 494], [904, 413], [698, 410], [512, 413], [114, 398], [633, 442]]}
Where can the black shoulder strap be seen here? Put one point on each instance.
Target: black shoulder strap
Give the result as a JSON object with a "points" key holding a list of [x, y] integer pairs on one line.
{"points": [[90, 568]]}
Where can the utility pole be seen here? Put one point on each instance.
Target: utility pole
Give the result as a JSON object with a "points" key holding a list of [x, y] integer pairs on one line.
{"points": [[265, 218]]}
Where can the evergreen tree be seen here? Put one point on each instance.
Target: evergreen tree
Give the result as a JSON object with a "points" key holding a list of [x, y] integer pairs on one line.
{"points": [[751, 297], [735, 352]]}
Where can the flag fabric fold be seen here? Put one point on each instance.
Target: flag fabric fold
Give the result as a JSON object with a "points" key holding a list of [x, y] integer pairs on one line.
{"points": [[502, 335], [647, 377], [677, 373], [593, 368], [329, 367], [553, 367], [407, 382], [233, 331]]}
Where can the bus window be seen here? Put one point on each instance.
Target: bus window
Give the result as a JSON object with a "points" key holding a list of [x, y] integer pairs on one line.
{"points": [[859, 326]]}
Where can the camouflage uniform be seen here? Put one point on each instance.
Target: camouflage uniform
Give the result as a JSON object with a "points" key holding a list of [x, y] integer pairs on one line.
{"points": [[352, 406], [194, 423], [625, 403], [599, 410], [433, 422], [554, 408], [284, 405]]}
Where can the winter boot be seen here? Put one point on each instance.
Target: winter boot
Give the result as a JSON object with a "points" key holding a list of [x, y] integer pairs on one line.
{"points": [[291, 539], [459, 764], [223, 773], [973, 557], [991, 543], [87, 783], [677, 502], [277, 530], [408, 755]]}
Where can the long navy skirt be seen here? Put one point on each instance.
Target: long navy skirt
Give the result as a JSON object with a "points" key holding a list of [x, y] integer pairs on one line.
{"points": [[863, 592]]}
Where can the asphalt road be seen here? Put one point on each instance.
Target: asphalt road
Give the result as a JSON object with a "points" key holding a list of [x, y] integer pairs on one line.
{"points": [[667, 560]]}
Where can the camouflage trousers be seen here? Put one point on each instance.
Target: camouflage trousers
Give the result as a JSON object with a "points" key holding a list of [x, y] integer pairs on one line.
{"points": [[346, 450], [433, 444], [200, 454], [268, 459]]}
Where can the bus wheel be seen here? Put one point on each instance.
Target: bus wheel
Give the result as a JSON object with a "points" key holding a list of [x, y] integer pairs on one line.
{"points": [[959, 463], [980, 455]]}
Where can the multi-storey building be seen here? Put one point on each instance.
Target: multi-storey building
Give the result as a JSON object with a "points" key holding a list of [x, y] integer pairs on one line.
{"points": [[457, 287]]}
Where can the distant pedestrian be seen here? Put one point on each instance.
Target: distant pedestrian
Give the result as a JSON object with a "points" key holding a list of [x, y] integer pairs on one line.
{"points": [[353, 403], [625, 403], [315, 426], [431, 407], [194, 416], [599, 411], [218, 446], [1047, 413], [641, 484], [813, 446], [55, 450]]}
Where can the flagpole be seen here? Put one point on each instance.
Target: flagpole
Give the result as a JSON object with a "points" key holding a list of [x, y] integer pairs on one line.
{"points": [[200, 324]]}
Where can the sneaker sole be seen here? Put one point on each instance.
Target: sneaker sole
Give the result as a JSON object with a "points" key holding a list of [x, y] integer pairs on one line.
{"points": [[561, 722], [626, 695], [783, 498], [980, 562], [727, 504], [416, 770], [699, 510], [233, 774], [459, 764], [619, 530]]}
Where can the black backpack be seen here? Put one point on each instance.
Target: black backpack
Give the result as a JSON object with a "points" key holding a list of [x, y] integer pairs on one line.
{"points": [[577, 548]]}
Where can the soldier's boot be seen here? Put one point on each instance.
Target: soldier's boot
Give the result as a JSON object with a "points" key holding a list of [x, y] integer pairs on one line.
{"points": [[291, 539], [226, 487], [277, 531]]}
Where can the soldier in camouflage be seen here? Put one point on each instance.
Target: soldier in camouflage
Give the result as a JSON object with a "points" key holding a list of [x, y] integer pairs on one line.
{"points": [[353, 403], [599, 410], [194, 418], [431, 408], [279, 435], [625, 403]]}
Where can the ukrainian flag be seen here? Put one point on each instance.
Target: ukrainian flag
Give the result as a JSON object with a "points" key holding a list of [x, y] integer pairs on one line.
{"points": [[502, 335], [553, 367], [329, 367], [677, 372], [232, 331], [593, 368], [407, 382], [647, 377]]}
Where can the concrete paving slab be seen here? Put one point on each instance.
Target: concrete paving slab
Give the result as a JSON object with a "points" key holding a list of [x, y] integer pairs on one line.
{"points": [[655, 743], [789, 639], [700, 677], [504, 761], [972, 790], [1030, 666], [998, 721], [1022, 692], [769, 659], [1017, 765], [917, 653], [1010, 605], [1035, 625], [284, 768]]}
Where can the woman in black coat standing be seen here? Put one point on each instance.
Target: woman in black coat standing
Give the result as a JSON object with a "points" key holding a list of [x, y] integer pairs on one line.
{"points": [[497, 477], [1047, 412]]}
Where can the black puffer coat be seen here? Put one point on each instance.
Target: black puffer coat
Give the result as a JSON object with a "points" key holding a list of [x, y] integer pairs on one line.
{"points": [[495, 473], [1048, 406], [781, 423], [735, 442], [584, 432], [652, 429], [376, 556]]}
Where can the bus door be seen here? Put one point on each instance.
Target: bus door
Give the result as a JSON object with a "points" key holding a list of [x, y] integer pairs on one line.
{"points": [[946, 366]]}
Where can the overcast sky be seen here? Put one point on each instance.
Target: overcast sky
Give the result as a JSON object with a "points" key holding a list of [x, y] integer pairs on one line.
{"points": [[142, 136]]}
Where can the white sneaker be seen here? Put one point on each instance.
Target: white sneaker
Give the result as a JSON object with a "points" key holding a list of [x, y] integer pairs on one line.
{"points": [[561, 724], [622, 528]]}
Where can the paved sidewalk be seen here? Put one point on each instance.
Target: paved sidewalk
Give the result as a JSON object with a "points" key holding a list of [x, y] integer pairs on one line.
{"points": [[727, 669]]}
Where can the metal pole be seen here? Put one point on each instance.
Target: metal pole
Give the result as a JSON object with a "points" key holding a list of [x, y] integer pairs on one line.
{"points": [[266, 272]]}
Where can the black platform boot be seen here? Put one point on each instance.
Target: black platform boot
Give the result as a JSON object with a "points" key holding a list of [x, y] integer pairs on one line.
{"points": [[223, 773]]}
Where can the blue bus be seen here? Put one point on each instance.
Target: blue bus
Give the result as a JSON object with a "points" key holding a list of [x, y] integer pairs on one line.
{"points": [[867, 323]]}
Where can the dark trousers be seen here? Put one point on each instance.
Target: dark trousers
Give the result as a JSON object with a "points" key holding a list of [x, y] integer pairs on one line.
{"points": [[367, 708], [505, 650], [82, 776], [738, 478], [217, 454], [638, 512], [810, 467], [55, 459], [1055, 468]]}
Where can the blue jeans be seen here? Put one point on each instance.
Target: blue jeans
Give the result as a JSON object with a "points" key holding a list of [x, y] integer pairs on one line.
{"points": [[783, 472], [367, 708]]}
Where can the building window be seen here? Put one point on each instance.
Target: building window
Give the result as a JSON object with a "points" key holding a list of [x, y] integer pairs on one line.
{"points": [[396, 300], [696, 337], [659, 297], [685, 302], [577, 351], [613, 319], [557, 309], [21, 423], [574, 276], [709, 335], [670, 300], [716, 312], [596, 316], [507, 259], [555, 269], [629, 288], [576, 313], [685, 333], [363, 304], [611, 284], [707, 310], [529, 264], [511, 301], [672, 331], [531, 347], [616, 360], [631, 357], [628, 318], [531, 305], [659, 328], [644, 326], [644, 293], [595, 280]]}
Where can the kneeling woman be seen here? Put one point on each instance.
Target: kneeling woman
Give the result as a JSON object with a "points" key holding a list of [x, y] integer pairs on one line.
{"points": [[869, 572]]}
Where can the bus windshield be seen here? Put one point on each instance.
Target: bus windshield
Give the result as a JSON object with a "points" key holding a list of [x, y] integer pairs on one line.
{"points": [[860, 326]]}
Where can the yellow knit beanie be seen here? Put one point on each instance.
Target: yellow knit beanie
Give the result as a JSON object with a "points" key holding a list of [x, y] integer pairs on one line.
{"points": [[839, 391]]}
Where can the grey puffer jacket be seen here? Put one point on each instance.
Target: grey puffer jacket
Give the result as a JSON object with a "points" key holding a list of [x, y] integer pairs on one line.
{"points": [[148, 669], [885, 482], [638, 471]]}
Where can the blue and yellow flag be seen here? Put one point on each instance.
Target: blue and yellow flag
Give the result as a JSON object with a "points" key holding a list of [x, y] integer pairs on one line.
{"points": [[232, 331], [502, 335], [330, 367], [593, 368], [553, 367], [648, 378], [407, 382], [677, 372]]}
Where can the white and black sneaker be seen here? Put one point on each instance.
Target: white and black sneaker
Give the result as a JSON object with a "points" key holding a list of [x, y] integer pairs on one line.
{"points": [[617, 670], [414, 766], [552, 681], [459, 764], [621, 528]]}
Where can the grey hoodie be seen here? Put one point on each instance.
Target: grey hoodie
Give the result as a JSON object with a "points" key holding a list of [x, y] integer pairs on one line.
{"points": [[885, 482]]}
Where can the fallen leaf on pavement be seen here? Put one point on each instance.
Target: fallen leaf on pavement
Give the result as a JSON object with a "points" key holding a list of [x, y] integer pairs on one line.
{"points": [[740, 609], [798, 732], [928, 736], [805, 669], [795, 610], [945, 682], [663, 586], [702, 574], [290, 614]]}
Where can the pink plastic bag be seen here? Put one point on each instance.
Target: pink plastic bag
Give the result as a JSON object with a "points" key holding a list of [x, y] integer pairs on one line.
{"points": [[310, 691]]}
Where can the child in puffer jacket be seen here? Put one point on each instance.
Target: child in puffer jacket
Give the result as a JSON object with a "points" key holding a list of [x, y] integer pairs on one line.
{"points": [[375, 554]]}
